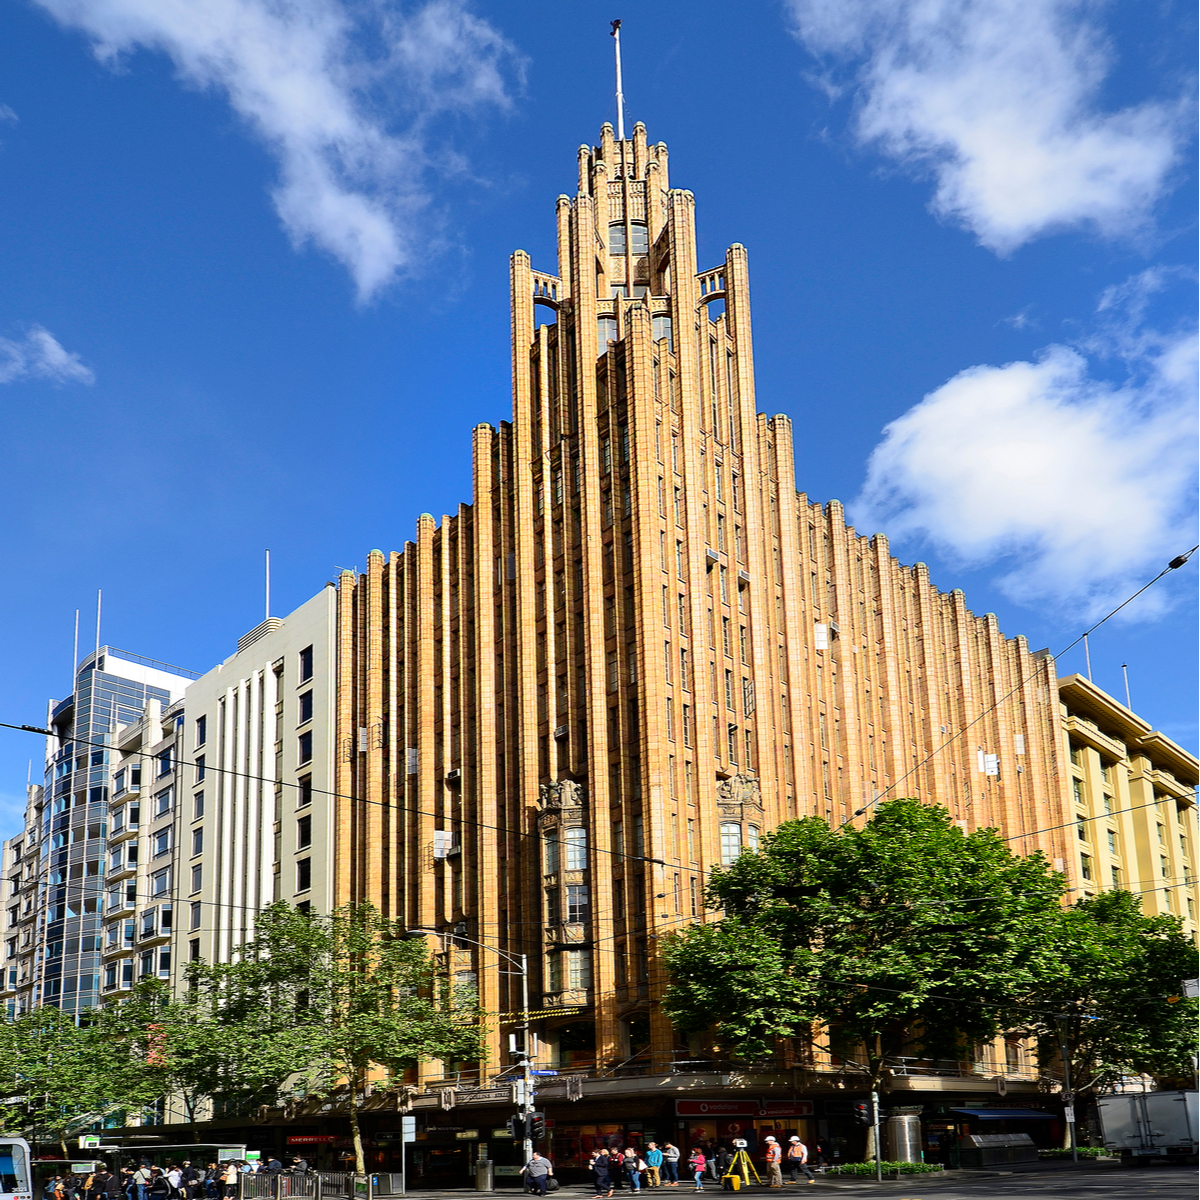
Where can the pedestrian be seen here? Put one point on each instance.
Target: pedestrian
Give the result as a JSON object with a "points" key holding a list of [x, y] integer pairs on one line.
{"points": [[697, 1162], [174, 1175], [103, 1185], [616, 1165], [633, 1166], [654, 1162], [774, 1157], [212, 1181], [300, 1166], [599, 1164], [141, 1179], [272, 1166], [712, 1153], [797, 1159], [229, 1180], [724, 1165], [537, 1173], [670, 1153]]}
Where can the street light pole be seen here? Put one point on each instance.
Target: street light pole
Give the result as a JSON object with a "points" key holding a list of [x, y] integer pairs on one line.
{"points": [[527, 1065], [521, 962], [1069, 1106]]}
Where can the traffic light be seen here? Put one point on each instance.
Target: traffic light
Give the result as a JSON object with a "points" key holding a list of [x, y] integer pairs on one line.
{"points": [[863, 1114], [537, 1126], [516, 1126]]}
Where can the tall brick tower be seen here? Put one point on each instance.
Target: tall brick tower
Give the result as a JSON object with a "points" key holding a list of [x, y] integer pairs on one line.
{"points": [[641, 648]]}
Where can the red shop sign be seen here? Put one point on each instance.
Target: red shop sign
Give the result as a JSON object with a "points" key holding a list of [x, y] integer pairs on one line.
{"points": [[743, 1108], [716, 1108], [787, 1108], [311, 1139]]}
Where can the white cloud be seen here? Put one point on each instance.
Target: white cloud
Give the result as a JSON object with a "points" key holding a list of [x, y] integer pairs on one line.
{"points": [[322, 83], [999, 101], [38, 355], [1079, 486]]}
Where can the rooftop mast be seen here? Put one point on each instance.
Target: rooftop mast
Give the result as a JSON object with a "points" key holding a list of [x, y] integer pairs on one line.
{"points": [[616, 33]]}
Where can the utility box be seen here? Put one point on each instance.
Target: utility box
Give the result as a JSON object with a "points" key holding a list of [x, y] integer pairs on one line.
{"points": [[903, 1137], [996, 1149], [1150, 1125]]}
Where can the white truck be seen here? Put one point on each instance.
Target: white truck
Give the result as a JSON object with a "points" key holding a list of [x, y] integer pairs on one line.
{"points": [[1144, 1126]]}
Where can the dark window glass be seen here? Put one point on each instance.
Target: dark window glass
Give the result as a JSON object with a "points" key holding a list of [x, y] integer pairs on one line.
{"points": [[306, 664]]}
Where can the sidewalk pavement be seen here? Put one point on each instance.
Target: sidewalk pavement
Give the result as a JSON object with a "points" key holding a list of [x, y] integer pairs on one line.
{"points": [[934, 1179]]}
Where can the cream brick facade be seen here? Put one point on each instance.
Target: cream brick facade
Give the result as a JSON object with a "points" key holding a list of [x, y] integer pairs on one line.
{"points": [[641, 647]]}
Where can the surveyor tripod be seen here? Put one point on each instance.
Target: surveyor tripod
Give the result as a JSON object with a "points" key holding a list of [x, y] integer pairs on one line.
{"points": [[737, 1174]]}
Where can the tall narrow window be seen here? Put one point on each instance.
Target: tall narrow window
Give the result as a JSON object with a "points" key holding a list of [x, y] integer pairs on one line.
{"points": [[606, 331], [201, 730], [575, 837], [661, 329], [306, 664], [731, 841], [617, 242]]}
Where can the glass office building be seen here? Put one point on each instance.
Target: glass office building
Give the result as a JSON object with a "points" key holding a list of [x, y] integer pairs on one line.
{"points": [[64, 856]]}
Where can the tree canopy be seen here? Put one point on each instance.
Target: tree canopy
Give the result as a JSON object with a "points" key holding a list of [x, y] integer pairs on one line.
{"points": [[905, 937], [1110, 995], [910, 938]]}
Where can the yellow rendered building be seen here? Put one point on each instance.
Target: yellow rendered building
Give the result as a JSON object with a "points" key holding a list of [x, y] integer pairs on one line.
{"points": [[1133, 795]]}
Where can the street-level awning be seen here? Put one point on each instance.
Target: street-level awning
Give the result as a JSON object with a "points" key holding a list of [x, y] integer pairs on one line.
{"points": [[1008, 1114]]}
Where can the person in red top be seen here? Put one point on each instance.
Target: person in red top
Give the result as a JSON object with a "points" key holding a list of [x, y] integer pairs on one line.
{"points": [[774, 1158]]}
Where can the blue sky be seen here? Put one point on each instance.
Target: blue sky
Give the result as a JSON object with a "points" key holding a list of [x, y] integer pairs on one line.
{"points": [[254, 263]]}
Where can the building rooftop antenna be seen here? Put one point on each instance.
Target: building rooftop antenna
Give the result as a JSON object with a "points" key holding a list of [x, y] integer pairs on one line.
{"points": [[616, 34]]}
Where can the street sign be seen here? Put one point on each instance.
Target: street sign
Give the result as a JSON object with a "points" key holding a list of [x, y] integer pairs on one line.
{"points": [[543, 1072], [90, 1141]]}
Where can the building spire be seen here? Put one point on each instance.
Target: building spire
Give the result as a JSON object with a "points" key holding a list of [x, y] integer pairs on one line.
{"points": [[616, 33]]}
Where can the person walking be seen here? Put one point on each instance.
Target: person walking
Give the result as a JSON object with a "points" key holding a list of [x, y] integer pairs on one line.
{"points": [[670, 1153], [141, 1180], [229, 1180], [712, 1154], [175, 1179], [774, 1157], [654, 1162], [616, 1168], [102, 1185], [632, 1167], [797, 1158], [697, 1163], [599, 1164], [537, 1173]]}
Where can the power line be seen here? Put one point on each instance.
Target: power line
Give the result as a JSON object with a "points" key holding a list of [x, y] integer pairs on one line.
{"points": [[398, 808], [1175, 563]]}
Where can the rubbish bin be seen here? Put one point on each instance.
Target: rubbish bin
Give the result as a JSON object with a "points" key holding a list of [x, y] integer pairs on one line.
{"points": [[483, 1175]]}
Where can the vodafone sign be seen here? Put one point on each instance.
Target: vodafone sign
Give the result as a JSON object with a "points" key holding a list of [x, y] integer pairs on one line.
{"points": [[743, 1108]]}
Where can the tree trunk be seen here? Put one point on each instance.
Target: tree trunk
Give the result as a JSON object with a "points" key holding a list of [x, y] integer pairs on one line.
{"points": [[360, 1162]]}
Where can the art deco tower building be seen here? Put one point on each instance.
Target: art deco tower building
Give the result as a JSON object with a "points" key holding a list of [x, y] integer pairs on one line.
{"points": [[640, 647]]}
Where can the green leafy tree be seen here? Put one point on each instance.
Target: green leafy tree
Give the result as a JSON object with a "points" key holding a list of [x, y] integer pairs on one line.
{"points": [[905, 937], [58, 1077], [1109, 999], [200, 1044], [352, 992]]}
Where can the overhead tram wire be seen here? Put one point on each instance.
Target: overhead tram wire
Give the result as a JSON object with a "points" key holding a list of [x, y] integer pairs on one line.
{"points": [[1178, 561], [1174, 564], [209, 768]]}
